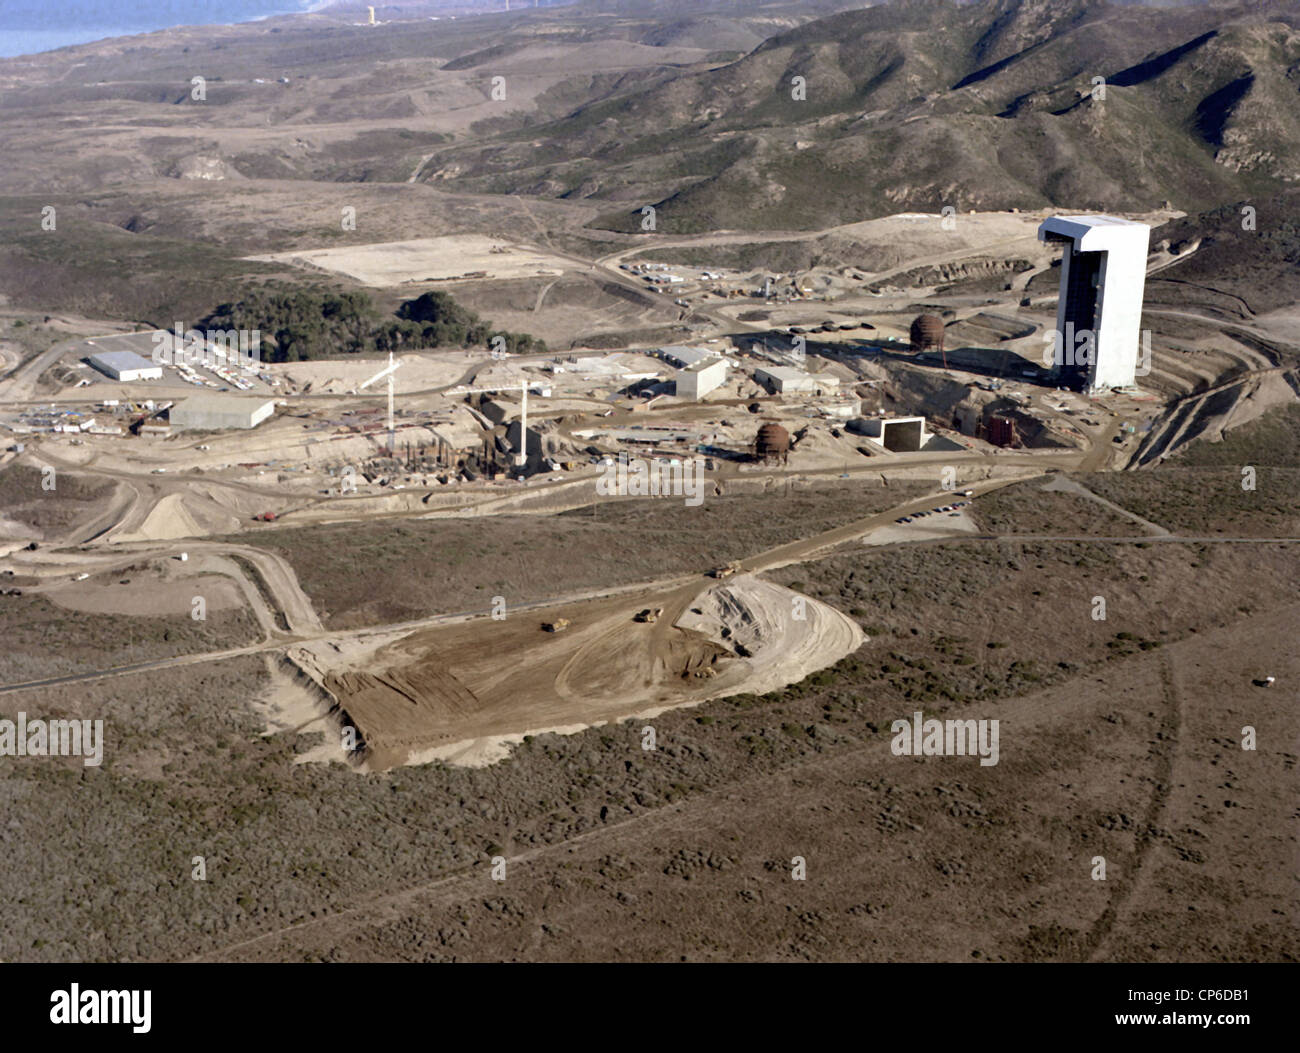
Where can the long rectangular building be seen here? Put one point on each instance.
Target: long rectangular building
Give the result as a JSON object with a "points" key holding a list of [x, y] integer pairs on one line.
{"points": [[219, 412], [125, 366], [786, 380]]}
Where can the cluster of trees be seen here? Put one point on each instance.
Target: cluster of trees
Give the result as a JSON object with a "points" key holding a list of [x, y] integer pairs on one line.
{"points": [[441, 322], [302, 324]]}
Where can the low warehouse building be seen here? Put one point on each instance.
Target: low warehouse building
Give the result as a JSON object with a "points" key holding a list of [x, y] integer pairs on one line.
{"points": [[786, 380], [217, 412], [699, 378], [125, 366]]}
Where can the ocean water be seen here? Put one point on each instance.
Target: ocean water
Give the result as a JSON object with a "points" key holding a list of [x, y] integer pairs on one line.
{"points": [[27, 27]]}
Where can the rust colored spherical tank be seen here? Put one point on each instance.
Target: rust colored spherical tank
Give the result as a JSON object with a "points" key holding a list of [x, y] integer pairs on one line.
{"points": [[927, 333], [773, 442]]}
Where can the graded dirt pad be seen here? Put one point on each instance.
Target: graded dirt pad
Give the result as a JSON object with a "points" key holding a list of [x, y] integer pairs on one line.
{"points": [[441, 690], [147, 594], [939, 526], [936, 858], [428, 260], [415, 373]]}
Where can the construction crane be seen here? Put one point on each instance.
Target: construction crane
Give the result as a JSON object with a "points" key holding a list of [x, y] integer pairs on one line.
{"points": [[388, 372], [523, 385]]}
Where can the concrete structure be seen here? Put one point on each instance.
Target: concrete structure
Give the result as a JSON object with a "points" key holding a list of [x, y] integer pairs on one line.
{"points": [[967, 416], [1099, 314], [786, 380], [612, 367], [841, 409], [125, 366], [684, 357], [699, 378], [460, 432], [896, 434], [216, 412]]}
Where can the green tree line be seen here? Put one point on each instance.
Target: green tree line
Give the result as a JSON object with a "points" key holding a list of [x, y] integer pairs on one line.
{"points": [[302, 324]]}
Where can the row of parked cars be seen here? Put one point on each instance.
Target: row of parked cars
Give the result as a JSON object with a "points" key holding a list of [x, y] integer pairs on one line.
{"points": [[940, 510]]}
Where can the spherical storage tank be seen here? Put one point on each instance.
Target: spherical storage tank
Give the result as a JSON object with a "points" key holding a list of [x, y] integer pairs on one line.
{"points": [[773, 442], [927, 333]]}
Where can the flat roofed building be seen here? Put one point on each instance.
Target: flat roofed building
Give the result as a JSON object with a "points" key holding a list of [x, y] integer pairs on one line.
{"points": [[683, 357], [1099, 314], [125, 366], [699, 378], [786, 380], [219, 412]]}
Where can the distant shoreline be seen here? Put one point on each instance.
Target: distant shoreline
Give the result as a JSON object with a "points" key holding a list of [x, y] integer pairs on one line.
{"points": [[19, 42]]}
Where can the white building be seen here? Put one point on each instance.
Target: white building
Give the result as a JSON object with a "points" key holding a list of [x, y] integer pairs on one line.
{"points": [[216, 412], [125, 366], [611, 367], [681, 356], [1099, 315], [786, 380], [699, 378]]}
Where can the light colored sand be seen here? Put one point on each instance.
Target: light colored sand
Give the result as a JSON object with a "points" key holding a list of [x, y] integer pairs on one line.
{"points": [[342, 376], [928, 529], [168, 519], [480, 753], [393, 263], [788, 635]]}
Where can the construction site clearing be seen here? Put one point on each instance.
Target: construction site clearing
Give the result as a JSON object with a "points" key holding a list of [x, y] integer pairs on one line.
{"points": [[445, 693], [824, 375]]}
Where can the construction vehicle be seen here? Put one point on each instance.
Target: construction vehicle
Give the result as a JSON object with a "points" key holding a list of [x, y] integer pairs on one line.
{"points": [[266, 517], [727, 569], [557, 626], [650, 614]]}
